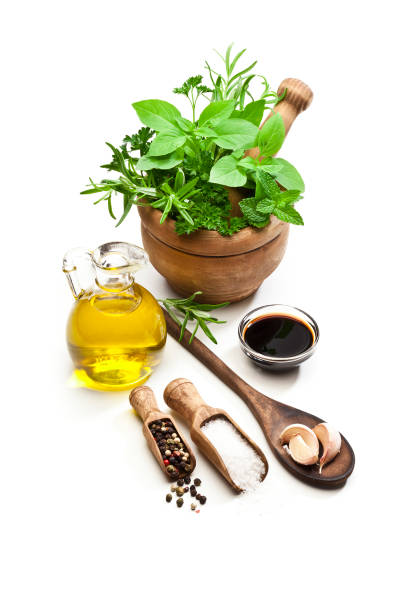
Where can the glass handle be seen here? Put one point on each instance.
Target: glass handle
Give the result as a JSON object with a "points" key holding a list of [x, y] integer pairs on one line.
{"points": [[70, 269]]}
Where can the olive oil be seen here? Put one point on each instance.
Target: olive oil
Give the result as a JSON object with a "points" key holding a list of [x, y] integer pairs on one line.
{"points": [[116, 328], [115, 340]]}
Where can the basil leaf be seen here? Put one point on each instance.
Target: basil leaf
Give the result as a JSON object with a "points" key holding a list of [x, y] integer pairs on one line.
{"points": [[226, 172], [247, 162], [205, 131], [271, 135], [285, 173], [287, 213], [167, 142], [164, 162], [235, 133], [216, 112], [184, 124], [157, 114], [255, 218], [253, 112]]}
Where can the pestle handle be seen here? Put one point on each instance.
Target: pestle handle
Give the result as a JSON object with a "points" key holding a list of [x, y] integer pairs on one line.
{"points": [[144, 402], [182, 397], [298, 98]]}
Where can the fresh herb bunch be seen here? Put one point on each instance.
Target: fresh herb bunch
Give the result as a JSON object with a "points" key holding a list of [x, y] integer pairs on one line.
{"points": [[183, 166], [191, 310]]}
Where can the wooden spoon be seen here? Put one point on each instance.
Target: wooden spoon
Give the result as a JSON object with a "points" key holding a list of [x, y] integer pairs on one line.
{"points": [[182, 396], [144, 403], [273, 417]]}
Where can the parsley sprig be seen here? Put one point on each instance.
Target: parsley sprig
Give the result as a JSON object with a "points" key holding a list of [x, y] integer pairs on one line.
{"points": [[191, 310]]}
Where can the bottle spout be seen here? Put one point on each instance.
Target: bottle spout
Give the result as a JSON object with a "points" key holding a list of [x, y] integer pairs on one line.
{"points": [[116, 263]]}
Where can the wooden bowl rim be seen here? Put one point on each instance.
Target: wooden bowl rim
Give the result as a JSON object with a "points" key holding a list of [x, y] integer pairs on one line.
{"points": [[209, 243]]}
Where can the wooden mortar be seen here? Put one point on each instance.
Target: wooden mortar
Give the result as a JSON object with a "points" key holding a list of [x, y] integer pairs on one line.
{"points": [[182, 396], [224, 268], [143, 401]]}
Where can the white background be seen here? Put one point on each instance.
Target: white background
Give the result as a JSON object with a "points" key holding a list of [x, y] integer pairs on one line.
{"points": [[83, 518]]}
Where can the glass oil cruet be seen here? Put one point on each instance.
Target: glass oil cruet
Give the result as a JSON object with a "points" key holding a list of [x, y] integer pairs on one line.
{"points": [[116, 328]]}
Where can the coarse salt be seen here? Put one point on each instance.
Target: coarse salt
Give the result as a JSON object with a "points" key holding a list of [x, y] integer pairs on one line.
{"points": [[244, 465]]}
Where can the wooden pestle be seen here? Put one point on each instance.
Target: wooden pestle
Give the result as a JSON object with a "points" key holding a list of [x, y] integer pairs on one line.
{"points": [[182, 396], [143, 401]]}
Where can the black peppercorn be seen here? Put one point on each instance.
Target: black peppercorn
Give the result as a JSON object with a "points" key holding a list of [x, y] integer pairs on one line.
{"points": [[180, 502], [169, 497], [180, 482], [187, 480], [203, 499], [193, 492], [185, 489], [197, 482]]}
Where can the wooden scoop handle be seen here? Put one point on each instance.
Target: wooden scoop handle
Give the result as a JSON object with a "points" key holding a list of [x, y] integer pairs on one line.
{"points": [[182, 396], [144, 402]]}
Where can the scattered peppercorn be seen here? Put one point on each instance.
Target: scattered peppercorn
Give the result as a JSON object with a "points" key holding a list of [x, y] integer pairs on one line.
{"points": [[185, 489], [193, 506], [187, 479], [180, 502], [169, 497], [203, 499], [197, 482], [180, 491], [180, 482]]}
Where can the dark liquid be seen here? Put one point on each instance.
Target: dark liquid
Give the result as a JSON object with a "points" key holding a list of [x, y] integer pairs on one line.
{"points": [[278, 336]]}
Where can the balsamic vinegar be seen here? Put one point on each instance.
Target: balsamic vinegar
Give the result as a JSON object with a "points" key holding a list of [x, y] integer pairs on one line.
{"points": [[277, 335]]}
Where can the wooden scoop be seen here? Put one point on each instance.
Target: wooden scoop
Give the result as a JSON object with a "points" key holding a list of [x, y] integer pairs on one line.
{"points": [[182, 396], [144, 402], [272, 416]]}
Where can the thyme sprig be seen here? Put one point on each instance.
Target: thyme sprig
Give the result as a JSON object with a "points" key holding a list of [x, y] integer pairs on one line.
{"points": [[192, 311]]}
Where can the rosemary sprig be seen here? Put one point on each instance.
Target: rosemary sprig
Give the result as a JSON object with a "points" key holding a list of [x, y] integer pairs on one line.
{"points": [[192, 311]]}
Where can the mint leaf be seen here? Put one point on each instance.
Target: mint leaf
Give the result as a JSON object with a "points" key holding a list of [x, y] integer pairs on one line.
{"points": [[226, 172], [235, 133], [255, 218], [167, 142], [271, 135], [266, 206], [157, 114], [287, 213], [247, 162], [289, 197], [268, 184], [285, 173], [216, 112]]}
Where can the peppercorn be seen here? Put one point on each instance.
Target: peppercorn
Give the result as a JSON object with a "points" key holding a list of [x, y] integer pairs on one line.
{"points": [[203, 499], [180, 502], [166, 462], [180, 482], [180, 491], [173, 488], [187, 480], [169, 497], [193, 506], [197, 482], [170, 469], [193, 492], [185, 489]]}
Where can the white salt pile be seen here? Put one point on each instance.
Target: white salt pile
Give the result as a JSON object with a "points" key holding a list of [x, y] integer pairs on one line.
{"points": [[244, 465]]}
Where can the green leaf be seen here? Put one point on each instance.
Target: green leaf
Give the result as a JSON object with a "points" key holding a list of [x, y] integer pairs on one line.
{"points": [[253, 112], [248, 163], [167, 142], [287, 213], [226, 172], [271, 135], [235, 133], [184, 124], [285, 173], [268, 184], [266, 206], [255, 218], [163, 162], [289, 197], [179, 180], [205, 131], [216, 112], [157, 114]]}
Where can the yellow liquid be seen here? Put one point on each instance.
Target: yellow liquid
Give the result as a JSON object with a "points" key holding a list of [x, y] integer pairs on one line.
{"points": [[115, 340]]}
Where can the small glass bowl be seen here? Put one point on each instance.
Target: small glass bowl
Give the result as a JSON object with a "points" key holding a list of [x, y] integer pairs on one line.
{"points": [[268, 361]]}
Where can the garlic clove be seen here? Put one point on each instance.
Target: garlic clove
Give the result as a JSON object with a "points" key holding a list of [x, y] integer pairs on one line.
{"points": [[301, 452], [330, 440], [302, 430]]}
